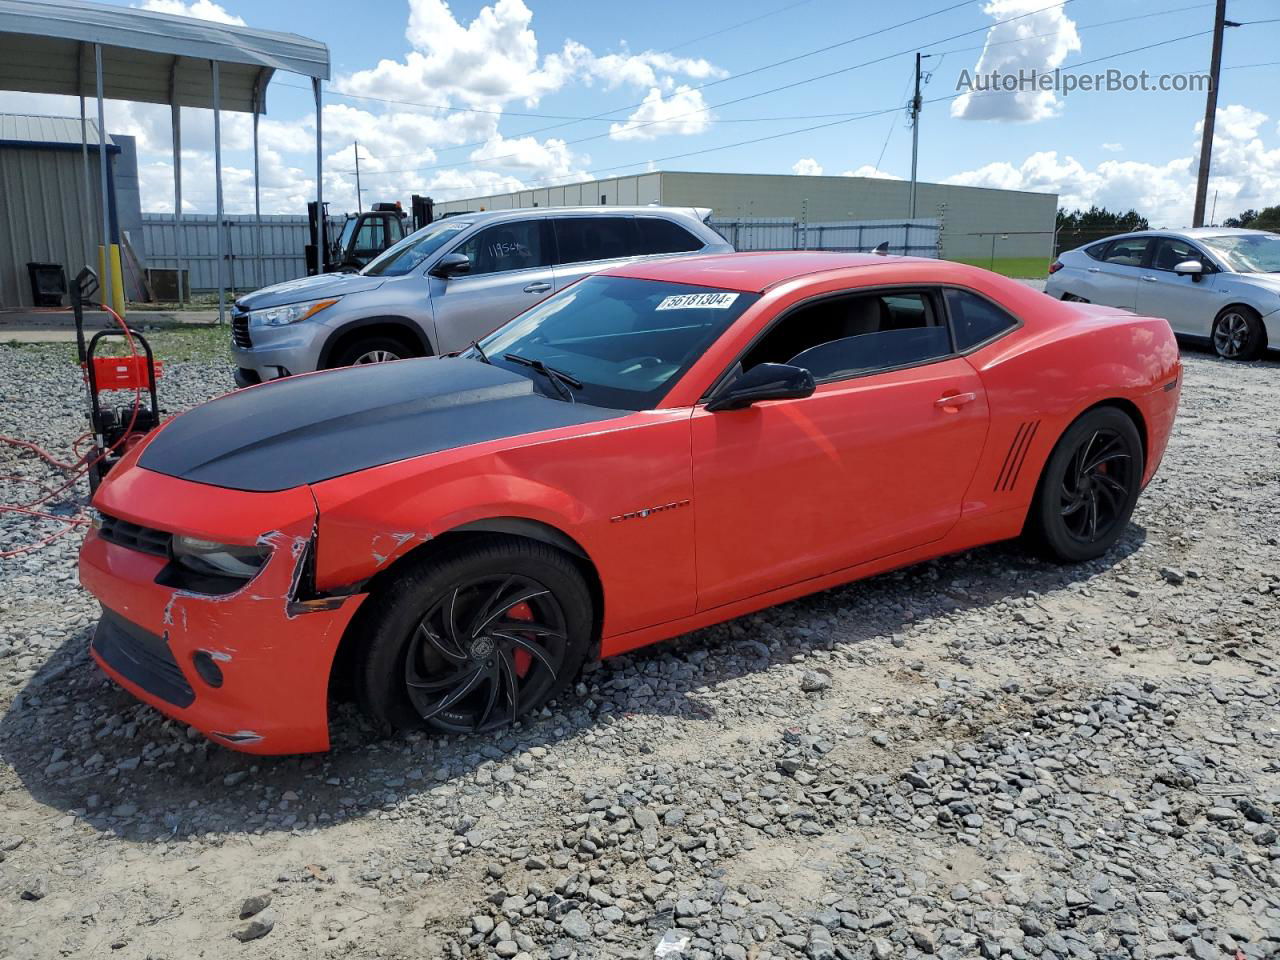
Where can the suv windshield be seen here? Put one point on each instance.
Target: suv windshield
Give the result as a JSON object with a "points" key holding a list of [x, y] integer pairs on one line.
{"points": [[1247, 252], [401, 258], [626, 340]]}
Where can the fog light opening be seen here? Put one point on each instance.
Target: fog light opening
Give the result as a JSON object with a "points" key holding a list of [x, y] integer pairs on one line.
{"points": [[207, 668]]}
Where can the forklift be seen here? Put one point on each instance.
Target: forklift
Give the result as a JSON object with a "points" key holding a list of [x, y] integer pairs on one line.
{"points": [[363, 235]]}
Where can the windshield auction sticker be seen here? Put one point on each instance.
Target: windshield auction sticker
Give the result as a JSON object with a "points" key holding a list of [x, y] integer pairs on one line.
{"points": [[698, 301]]}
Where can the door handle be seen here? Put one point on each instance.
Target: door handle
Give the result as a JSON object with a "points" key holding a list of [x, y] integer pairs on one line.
{"points": [[1148, 279], [1094, 270], [540, 286], [954, 401]]}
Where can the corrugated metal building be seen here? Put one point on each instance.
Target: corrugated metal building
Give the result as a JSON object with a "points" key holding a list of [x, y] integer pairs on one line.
{"points": [[46, 213], [1022, 222]]}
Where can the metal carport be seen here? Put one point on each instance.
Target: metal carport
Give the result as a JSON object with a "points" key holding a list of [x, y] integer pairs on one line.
{"points": [[89, 49]]}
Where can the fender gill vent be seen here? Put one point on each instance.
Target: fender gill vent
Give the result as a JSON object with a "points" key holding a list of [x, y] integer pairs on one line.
{"points": [[1017, 454]]}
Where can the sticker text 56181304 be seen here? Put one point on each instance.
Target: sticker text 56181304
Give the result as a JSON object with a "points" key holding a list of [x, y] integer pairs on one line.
{"points": [[698, 301]]}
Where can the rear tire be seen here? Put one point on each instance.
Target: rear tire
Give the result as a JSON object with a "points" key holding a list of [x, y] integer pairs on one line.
{"points": [[1238, 334], [1088, 488], [474, 638], [375, 349]]}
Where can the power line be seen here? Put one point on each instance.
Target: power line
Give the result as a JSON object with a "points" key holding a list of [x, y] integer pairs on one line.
{"points": [[725, 103], [560, 180], [735, 26]]}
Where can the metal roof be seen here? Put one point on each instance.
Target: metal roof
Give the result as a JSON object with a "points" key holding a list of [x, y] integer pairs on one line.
{"points": [[46, 46], [21, 128]]}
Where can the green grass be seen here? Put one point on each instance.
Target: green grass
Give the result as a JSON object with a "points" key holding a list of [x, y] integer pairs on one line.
{"points": [[172, 345], [1036, 268]]}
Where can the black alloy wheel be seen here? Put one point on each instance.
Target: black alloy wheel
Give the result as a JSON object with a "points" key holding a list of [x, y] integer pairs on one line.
{"points": [[1088, 488], [474, 636], [482, 649]]}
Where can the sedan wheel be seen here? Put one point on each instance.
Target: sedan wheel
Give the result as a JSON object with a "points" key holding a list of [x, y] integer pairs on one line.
{"points": [[1237, 334], [475, 636], [1088, 488]]}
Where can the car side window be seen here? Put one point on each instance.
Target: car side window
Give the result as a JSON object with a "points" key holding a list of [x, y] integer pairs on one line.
{"points": [[975, 319], [517, 245], [583, 239], [1170, 252], [663, 236], [846, 336], [1097, 250], [1127, 253]]}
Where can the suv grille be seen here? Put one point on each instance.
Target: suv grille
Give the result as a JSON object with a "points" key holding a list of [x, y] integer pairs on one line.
{"points": [[240, 330], [126, 534]]}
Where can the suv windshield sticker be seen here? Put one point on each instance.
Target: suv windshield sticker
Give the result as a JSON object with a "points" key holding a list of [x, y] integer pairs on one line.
{"points": [[698, 301]]}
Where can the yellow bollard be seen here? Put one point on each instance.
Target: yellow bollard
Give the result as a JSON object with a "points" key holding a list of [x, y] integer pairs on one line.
{"points": [[117, 278]]}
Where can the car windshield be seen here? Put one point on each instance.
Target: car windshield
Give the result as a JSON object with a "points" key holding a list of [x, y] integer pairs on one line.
{"points": [[1247, 252], [404, 256], [626, 341]]}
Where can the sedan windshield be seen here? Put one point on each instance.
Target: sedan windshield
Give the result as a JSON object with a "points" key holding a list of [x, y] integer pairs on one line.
{"points": [[622, 342], [404, 256], [1247, 252]]}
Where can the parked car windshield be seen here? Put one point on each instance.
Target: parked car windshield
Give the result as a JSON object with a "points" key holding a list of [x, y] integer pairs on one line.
{"points": [[404, 256], [1247, 252], [626, 340]]}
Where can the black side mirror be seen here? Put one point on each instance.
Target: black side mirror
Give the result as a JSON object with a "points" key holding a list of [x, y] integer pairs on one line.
{"points": [[452, 265], [766, 381]]}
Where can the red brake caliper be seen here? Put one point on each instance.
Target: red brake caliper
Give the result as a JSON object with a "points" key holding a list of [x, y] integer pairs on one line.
{"points": [[521, 611]]}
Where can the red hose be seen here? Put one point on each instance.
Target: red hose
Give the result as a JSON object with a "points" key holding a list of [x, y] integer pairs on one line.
{"points": [[80, 467]]}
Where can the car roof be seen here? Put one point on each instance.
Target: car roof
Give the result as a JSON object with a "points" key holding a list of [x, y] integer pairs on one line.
{"points": [[486, 216], [1188, 232], [757, 272]]}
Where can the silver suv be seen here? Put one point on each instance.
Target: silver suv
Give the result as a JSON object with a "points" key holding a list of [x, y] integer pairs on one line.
{"points": [[446, 285]]}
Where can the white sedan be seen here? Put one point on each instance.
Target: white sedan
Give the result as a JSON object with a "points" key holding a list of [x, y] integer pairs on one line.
{"points": [[1213, 283]]}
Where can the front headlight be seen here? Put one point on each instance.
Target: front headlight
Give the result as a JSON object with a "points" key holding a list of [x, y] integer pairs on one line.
{"points": [[218, 559], [290, 313]]}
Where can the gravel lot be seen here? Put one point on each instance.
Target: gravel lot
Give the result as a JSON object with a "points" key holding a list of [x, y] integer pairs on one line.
{"points": [[980, 756]]}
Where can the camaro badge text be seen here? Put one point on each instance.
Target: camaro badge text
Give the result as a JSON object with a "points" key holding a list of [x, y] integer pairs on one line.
{"points": [[649, 511]]}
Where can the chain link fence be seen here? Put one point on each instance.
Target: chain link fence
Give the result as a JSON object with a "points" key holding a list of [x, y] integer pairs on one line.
{"points": [[916, 238]]}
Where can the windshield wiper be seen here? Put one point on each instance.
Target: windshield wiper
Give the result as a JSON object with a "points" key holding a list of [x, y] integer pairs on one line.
{"points": [[561, 379], [475, 345]]}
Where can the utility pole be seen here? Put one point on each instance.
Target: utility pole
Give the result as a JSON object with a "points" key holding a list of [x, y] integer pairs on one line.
{"points": [[914, 110], [359, 205], [1220, 21]]}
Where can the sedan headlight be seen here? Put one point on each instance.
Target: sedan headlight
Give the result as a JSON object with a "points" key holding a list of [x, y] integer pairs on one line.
{"points": [[290, 313], [210, 558]]}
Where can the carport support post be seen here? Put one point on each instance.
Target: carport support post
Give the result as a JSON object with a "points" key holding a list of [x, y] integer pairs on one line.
{"points": [[175, 120], [105, 280], [84, 165], [322, 227], [257, 200], [217, 172]]}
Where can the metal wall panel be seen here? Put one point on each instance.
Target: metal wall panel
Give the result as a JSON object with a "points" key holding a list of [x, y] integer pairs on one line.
{"points": [[258, 257], [45, 216]]}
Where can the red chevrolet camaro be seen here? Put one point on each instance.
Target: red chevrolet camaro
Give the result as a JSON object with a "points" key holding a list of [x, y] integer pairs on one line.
{"points": [[657, 448]]}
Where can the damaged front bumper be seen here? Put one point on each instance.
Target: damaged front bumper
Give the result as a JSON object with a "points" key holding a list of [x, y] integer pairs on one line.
{"points": [[249, 669]]}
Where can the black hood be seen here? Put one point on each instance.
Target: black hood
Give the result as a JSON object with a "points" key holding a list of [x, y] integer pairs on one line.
{"points": [[316, 427]]}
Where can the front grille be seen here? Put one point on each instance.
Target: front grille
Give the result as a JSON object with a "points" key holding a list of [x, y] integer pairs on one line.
{"points": [[126, 534], [141, 658], [240, 330]]}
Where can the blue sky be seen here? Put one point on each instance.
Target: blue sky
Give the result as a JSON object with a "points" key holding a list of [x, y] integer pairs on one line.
{"points": [[553, 57]]}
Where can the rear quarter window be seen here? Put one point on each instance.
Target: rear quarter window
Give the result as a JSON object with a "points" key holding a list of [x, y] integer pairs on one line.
{"points": [[663, 236], [1097, 250], [975, 319]]}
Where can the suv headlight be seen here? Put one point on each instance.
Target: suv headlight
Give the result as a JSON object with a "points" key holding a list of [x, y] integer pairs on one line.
{"points": [[218, 559], [290, 313]]}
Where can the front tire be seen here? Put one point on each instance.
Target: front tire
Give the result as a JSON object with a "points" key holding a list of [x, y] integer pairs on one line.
{"points": [[475, 638], [1089, 487], [375, 349], [1238, 334]]}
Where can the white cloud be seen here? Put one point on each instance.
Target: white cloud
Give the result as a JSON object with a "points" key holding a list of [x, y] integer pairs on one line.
{"points": [[1245, 172], [1045, 38], [199, 9], [870, 170], [648, 69], [684, 111], [1113, 147], [807, 167]]}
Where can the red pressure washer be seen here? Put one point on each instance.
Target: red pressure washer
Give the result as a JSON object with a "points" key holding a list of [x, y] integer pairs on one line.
{"points": [[115, 430]]}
